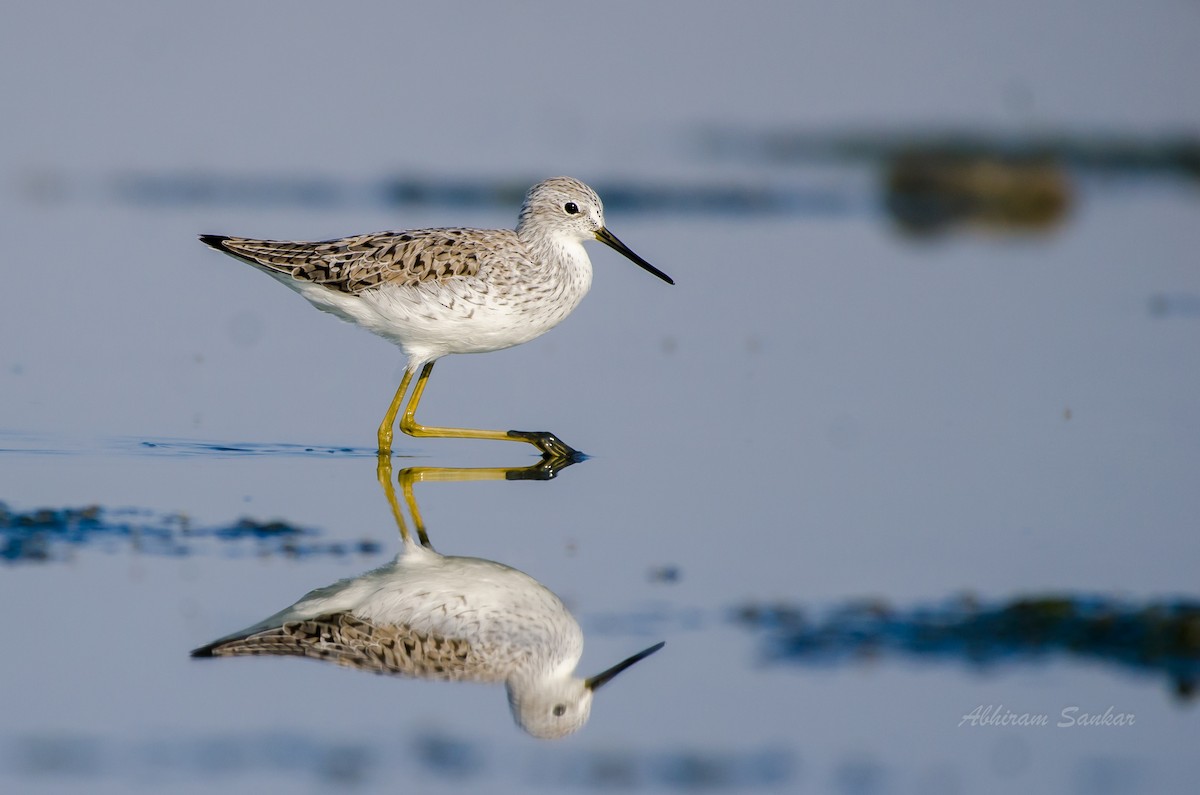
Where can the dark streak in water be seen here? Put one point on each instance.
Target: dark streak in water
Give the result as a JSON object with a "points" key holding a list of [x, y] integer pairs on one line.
{"points": [[32, 444], [1114, 154], [1151, 638], [342, 763], [1179, 305], [1012, 183], [224, 190], [47, 535], [183, 447]]}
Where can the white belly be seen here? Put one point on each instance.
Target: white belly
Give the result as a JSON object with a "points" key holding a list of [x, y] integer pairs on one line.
{"points": [[431, 320]]}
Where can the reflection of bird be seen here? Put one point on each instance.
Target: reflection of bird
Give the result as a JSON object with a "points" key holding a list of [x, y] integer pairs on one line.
{"points": [[452, 618], [440, 291]]}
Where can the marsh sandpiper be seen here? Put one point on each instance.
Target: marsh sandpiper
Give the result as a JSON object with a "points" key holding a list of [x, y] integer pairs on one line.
{"points": [[439, 291]]}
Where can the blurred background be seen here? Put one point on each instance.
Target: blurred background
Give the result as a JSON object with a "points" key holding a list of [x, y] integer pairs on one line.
{"points": [[904, 462]]}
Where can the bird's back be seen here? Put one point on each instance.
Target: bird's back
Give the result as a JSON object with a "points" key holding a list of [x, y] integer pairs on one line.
{"points": [[355, 264]]}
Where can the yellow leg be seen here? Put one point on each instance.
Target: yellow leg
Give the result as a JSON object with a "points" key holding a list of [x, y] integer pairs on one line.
{"points": [[389, 419], [550, 445]]}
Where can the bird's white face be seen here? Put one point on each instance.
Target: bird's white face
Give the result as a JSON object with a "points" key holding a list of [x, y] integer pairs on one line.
{"points": [[551, 709], [564, 207]]}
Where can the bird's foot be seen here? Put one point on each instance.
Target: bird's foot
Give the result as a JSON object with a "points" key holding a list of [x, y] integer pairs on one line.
{"points": [[551, 446]]}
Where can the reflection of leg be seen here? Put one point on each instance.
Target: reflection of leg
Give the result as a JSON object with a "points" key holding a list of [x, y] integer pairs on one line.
{"points": [[550, 445], [407, 478], [546, 469], [383, 472], [389, 419]]}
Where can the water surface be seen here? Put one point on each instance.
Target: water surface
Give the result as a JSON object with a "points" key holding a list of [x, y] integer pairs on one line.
{"points": [[823, 465]]}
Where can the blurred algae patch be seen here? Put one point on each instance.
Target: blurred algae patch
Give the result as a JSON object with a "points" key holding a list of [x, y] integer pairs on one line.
{"points": [[46, 535], [1153, 638]]}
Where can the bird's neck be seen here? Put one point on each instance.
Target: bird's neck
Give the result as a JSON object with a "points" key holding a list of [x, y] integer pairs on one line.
{"points": [[563, 262]]}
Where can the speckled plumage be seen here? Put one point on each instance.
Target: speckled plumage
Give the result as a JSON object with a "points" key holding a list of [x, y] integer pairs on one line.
{"points": [[435, 292], [349, 641], [355, 264], [449, 618]]}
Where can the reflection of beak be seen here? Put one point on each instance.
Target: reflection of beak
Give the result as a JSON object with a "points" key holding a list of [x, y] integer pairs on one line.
{"points": [[599, 679], [609, 239]]}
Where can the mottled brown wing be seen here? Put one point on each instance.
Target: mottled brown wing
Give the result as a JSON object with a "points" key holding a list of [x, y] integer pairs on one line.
{"points": [[354, 264], [346, 640]]}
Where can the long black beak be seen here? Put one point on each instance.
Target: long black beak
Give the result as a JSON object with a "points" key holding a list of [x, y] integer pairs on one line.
{"points": [[602, 678], [609, 239]]}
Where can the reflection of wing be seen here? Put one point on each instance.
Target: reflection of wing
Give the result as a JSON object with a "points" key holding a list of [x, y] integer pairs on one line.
{"points": [[354, 643]]}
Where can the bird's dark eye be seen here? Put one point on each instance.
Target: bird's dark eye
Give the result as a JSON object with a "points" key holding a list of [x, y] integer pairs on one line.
{"points": [[572, 208], [559, 709]]}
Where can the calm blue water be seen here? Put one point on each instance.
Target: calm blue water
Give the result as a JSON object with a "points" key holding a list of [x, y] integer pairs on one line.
{"points": [[867, 481]]}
